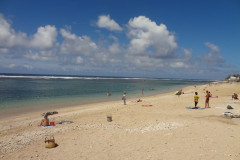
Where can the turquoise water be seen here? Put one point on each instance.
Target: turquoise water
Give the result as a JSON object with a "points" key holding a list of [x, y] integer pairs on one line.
{"points": [[23, 93]]}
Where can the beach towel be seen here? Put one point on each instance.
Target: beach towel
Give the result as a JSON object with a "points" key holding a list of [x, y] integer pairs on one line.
{"points": [[46, 127], [147, 105], [221, 107], [227, 113], [195, 108]]}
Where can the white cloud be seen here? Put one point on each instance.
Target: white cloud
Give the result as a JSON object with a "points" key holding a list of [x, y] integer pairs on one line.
{"points": [[187, 53], [73, 44], [44, 55], [105, 21], [115, 48], [212, 47], [152, 46], [8, 37], [28, 66], [79, 60], [178, 65], [152, 49], [11, 65], [4, 50], [213, 58], [44, 38], [149, 38]]}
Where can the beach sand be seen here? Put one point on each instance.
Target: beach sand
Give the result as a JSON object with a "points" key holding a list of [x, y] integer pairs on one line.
{"points": [[165, 130]]}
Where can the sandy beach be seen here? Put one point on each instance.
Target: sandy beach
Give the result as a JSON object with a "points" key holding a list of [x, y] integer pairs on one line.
{"points": [[160, 127]]}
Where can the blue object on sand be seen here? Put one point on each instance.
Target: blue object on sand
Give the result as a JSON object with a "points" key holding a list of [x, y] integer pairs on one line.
{"points": [[46, 126], [195, 108]]}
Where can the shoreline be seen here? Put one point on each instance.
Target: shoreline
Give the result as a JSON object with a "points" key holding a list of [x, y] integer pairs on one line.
{"points": [[136, 132], [13, 112]]}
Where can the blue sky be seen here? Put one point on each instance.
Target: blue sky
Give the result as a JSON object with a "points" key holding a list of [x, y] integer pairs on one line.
{"points": [[151, 38]]}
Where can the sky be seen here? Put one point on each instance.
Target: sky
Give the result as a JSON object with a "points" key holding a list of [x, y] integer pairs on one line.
{"points": [[128, 38]]}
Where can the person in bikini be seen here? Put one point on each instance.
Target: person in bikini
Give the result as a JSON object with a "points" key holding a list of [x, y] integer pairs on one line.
{"points": [[208, 95], [45, 121]]}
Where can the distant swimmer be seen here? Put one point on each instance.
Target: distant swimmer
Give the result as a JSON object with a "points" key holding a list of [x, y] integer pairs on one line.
{"points": [[108, 94], [124, 98]]}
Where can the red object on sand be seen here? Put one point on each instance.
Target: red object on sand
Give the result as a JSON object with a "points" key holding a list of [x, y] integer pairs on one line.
{"points": [[52, 124]]}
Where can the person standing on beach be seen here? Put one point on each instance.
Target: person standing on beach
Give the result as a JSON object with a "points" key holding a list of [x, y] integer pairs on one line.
{"points": [[142, 92], [124, 98], [207, 99], [196, 99]]}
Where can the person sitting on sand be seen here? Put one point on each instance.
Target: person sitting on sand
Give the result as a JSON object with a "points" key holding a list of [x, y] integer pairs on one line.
{"points": [[139, 100], [235, 96], [196, 99], [45, 121], [179, 92]]}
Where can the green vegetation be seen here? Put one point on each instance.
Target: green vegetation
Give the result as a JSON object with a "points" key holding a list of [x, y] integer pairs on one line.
{"points": [[234, 75]]}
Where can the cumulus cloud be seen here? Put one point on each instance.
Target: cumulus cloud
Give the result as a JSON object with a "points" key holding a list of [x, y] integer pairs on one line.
{"points": [[8, 36], [44, 38], [79, 60], [212, 47], [187, 53], [104, 21], [213, 58], [149, 38], [4, 50], [151, 48], [29, 67], [11, 66], [44, 55], [115, 48], [78, 45]]}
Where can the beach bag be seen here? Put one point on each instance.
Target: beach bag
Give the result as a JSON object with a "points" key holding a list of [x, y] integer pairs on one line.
{"points": [[50, 142], [109, 118]]}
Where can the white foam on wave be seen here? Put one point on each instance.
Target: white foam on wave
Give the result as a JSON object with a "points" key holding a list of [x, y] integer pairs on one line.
{"points": [[60, 77]]}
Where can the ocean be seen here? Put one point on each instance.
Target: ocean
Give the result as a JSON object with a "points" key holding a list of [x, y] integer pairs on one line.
{"points": [[26, 93]]}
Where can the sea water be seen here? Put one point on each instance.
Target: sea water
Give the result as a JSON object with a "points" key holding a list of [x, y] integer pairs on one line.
{"points": [[25, 93]]}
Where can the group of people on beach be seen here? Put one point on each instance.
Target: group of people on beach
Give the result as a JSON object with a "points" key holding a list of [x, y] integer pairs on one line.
{"points": [[45, 121], [196, 97], [208, 95]]}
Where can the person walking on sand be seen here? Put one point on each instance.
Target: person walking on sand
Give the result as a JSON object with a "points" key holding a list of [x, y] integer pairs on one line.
{"points": [[196, 99], [124, 98], [208, 95]]}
